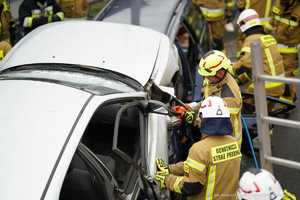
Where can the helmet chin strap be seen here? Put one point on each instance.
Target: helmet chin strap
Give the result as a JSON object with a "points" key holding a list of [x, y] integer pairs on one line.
{"points": [[220, 78]]}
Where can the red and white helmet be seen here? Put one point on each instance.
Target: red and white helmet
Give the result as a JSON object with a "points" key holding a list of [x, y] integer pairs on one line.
{"points": [[213, 107], [248, 19], [215, 117], [259, 184]]}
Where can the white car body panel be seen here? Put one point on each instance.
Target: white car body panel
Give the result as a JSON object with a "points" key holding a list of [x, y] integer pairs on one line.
{"points": [[50, 112], [36, 124], [116, 47], [157, 140], [58, 178], [36, 115]]}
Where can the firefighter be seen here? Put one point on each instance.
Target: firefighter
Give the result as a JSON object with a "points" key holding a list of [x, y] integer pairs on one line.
{"points": [[74, 8], [250, 25], [262, 7], [211, 170], [215, 67], [286, 23], [260, 184], [215, 12], [34, 13], [5, 45]]}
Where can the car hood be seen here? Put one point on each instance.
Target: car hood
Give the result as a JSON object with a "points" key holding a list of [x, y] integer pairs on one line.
{"points": [[126, 49], [36, 120]]}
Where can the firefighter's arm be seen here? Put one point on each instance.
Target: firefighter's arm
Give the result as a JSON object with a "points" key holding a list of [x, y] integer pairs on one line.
{"points": [[28, 20], [188, 186], [295, 16], [177, 169], [25, 16], [58, 13], [196, 169], [242, 67]]}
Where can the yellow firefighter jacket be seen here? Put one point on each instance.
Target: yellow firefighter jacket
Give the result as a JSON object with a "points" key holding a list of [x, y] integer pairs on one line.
{"points": [[214, 162], [5, 18], [214, 9], [230, 92], [272, 61], [286, 23], [74, 8], [5, 21], [214, 12]]}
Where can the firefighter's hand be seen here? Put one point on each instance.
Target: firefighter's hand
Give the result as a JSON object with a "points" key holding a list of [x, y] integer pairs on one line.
{"points": [[160, 177], [162, 172], [189, 116], [162, 165]]}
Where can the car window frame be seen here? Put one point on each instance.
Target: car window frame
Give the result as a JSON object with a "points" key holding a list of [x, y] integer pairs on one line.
{"points": [[136, 164]]}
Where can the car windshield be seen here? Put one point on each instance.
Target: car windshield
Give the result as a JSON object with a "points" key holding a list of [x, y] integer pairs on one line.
{"points": [[100, 82]]}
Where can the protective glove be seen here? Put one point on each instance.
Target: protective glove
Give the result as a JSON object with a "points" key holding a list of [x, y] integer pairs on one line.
{"points": [[162, 172], [162, 165], [288, 196], [189, 116], [160, 177]]}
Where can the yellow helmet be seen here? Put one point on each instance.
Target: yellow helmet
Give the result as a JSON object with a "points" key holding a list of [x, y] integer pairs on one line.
{"points": [[212, 62]]}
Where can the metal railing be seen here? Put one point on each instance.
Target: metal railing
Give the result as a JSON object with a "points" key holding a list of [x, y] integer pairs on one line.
{"points": [[263, 120]]}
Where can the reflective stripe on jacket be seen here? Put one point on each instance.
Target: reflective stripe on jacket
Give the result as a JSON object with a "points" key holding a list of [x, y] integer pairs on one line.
{"points": [[212, 9], [213, 162], [272, 61], [286, 24]]}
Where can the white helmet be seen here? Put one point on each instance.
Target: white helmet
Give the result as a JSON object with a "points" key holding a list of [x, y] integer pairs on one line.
{"points": [[213, 107], [259, 184], [215, 117], [248, 19]]}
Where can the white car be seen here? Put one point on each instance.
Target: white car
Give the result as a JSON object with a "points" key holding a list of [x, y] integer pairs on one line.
{"points": [[76, 120]]}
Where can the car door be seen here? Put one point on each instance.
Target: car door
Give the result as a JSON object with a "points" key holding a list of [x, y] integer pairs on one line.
{"points": [[200, 42], [143, 125], [117, 134], [88, 178]]}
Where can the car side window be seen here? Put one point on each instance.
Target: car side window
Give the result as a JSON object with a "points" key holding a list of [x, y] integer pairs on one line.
{"points": [[196, 23], [99, 137], [112, 141], [82, 180], [127, 145]]}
